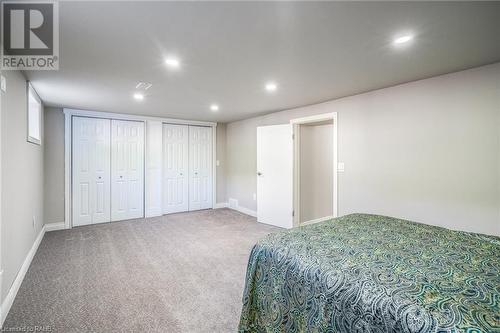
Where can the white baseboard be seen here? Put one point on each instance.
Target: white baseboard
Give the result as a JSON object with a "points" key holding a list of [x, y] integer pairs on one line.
{"points": [[245, 211], [234, 204], [153, 213], [11, 295], [54, 226], [221, 205], [321, 219], [236, 207]]}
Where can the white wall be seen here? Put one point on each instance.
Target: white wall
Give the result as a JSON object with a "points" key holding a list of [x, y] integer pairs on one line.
{"points": [[22, 180], [427, 151], [221, 168], [316, 176], [54, 166]]}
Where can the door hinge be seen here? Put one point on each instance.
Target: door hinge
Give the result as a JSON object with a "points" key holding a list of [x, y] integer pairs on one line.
{"points": [[293, 213], [293, 136]]}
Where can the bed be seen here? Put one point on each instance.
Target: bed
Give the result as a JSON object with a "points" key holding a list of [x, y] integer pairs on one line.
{"points": [[369, 273]]}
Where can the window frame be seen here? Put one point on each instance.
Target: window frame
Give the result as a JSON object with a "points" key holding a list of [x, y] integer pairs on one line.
{"points": [[31, 92]]}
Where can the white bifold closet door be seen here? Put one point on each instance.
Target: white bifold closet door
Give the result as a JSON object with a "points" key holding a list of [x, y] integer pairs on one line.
{"points": [[187, 168], [200, 167], [175, 168], [91, 181], [127, 170]]}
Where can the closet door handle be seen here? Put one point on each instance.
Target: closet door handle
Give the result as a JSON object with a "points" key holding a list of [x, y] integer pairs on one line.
{"points": [[259, 173]]}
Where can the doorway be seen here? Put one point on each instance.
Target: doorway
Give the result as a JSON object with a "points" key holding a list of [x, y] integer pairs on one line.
{"points": [[315, 168]]}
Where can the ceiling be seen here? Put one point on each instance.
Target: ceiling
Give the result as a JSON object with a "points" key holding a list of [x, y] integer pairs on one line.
{"points": [[314, 51]]}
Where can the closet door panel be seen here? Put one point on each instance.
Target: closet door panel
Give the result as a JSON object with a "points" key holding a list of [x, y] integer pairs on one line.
{"points": [[82, 213], [119, 191], [136, 169], [175, 168], [200, 167], [91, 170], [206, 161], [101, 191], [127, 197], [206, 168], [194, 168]]}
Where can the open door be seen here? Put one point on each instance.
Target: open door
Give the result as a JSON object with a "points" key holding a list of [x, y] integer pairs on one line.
{"points": [[275, 175]]}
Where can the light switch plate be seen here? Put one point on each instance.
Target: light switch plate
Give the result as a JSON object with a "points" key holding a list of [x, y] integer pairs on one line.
{"points": [[3, 83], [340, 167], [217, 163]]}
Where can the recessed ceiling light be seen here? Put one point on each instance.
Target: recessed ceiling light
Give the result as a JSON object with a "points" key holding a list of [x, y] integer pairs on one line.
{"points": [[402, 39], [172, 62], [138, 96], [271, 86], [214, 107]]}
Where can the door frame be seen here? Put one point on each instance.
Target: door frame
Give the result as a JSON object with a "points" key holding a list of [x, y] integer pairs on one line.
{"points": [[68, 133], [296, 123]]}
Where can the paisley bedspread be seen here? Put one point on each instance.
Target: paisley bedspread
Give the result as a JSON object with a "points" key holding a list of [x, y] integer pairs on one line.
{"points": [[368, 273]]}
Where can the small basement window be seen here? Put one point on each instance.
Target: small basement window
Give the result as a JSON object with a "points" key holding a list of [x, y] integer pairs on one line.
{"points": [[34, 116]]}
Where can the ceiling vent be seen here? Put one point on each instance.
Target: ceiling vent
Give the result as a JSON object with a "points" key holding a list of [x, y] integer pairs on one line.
{"points": [[143, 86]]}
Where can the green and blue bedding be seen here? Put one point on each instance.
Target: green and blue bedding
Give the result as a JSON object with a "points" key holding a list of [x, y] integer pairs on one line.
{"points": [[368, 273]]}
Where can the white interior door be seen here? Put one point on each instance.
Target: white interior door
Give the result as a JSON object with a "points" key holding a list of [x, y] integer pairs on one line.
{"points": [[127, 170], [175, 168], [200, 167], [275, 175], [91, 171]]}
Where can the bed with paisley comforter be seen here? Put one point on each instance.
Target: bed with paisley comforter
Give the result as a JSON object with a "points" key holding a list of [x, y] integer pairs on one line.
{"points": [[368, 273]]}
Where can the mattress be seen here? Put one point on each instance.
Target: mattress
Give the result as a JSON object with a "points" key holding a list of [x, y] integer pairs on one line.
{"points": [[369, 273]]}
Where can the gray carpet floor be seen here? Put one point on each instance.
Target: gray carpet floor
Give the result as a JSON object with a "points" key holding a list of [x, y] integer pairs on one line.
{"points": [[176, 273]]}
